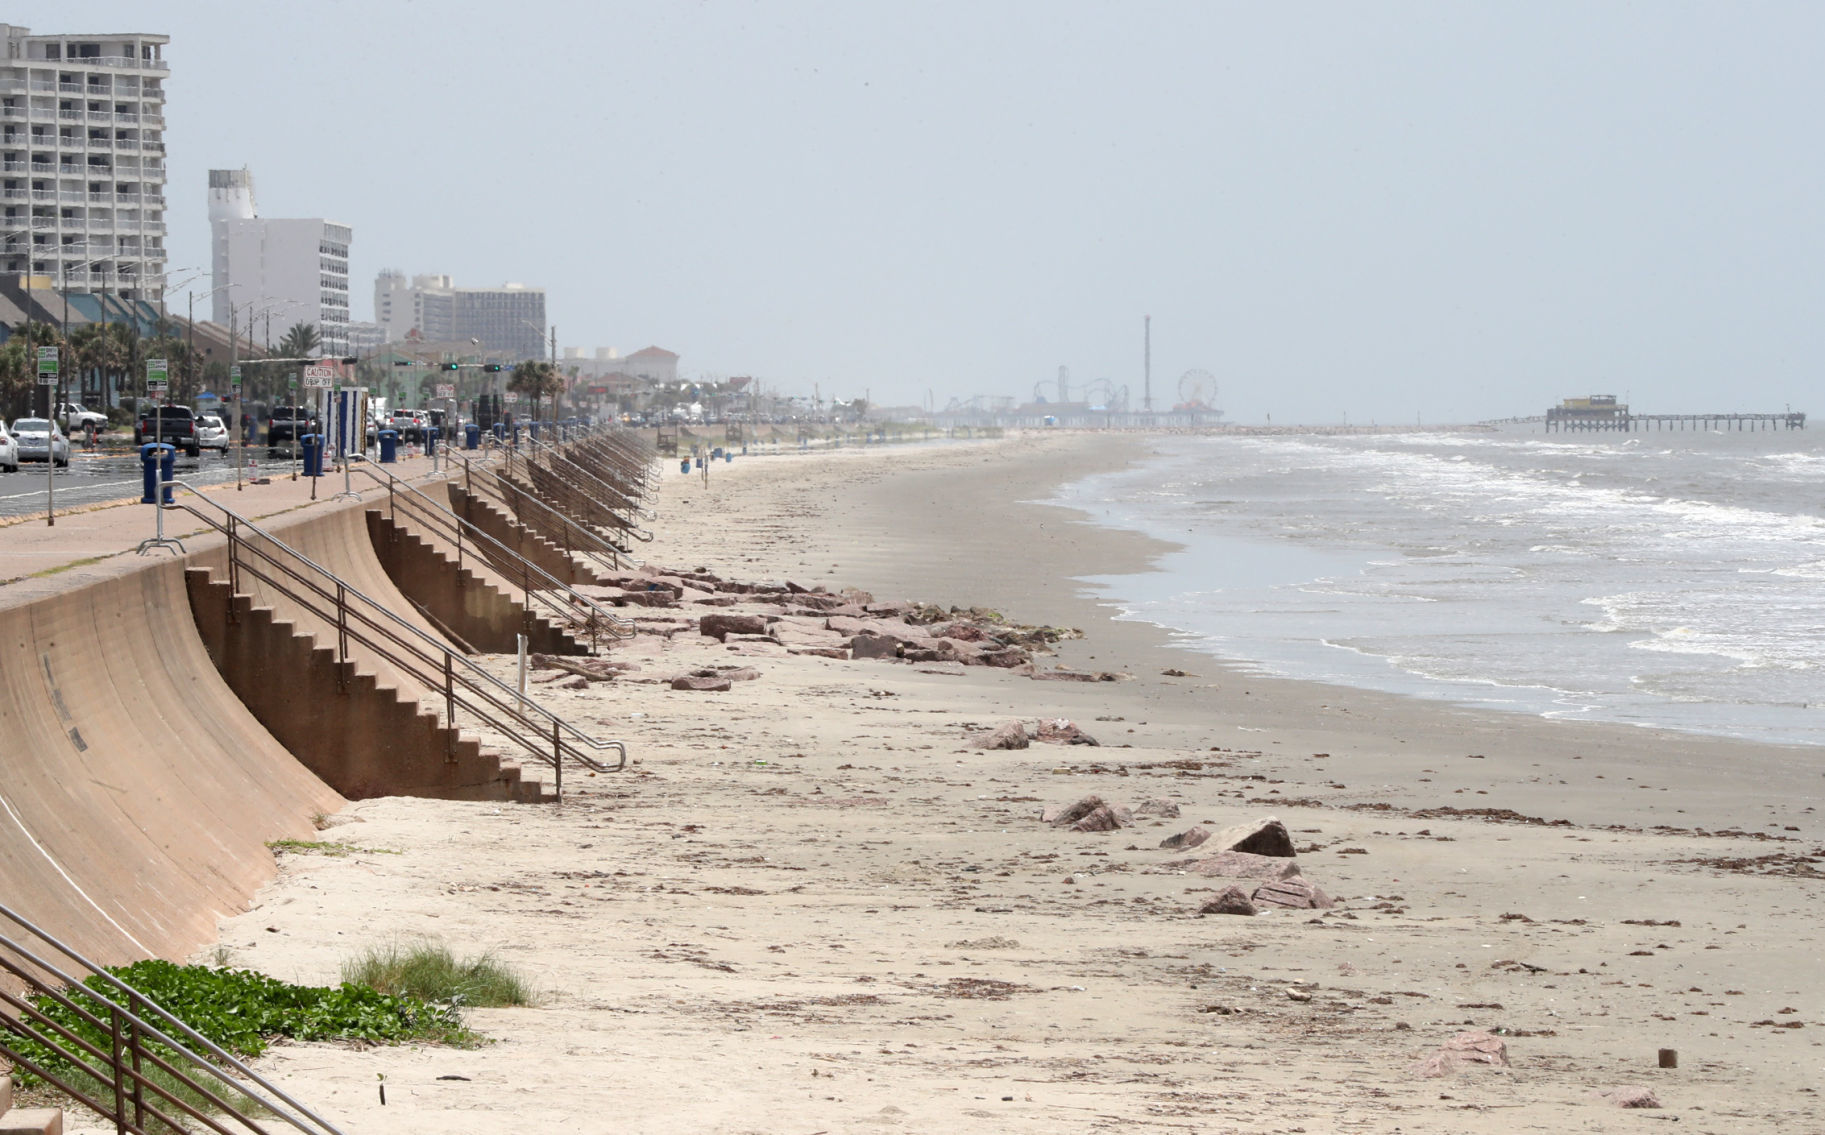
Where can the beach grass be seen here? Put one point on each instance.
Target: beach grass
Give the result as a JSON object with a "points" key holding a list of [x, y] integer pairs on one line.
{"points": [[429, 971]]}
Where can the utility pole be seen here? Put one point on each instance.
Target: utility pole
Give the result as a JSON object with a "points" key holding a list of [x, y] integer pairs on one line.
{"points": [[1147, 363], [557, 399]]}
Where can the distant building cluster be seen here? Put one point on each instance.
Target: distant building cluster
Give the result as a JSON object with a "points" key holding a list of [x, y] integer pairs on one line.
{"points": [[508, 320], [82, 138], [280, 271]]}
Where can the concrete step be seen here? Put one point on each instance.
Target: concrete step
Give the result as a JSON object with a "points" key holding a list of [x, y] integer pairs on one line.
{"points": [[347, 723], [32, 1121]]}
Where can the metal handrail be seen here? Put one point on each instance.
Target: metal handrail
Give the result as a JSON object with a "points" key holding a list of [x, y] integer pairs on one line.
{"points": [[452, 527], [617, 493], [118, 1069], [396, 631], [503, 488], [629, 457], [562, 494], [623, 461]]}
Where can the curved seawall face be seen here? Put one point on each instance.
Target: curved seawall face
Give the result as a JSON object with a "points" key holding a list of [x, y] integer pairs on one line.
{"points": [[137, 793]]}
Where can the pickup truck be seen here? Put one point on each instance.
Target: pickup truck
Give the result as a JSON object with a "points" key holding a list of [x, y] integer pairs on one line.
{"points": [[288, 424], [173, 425], [74, 419]]}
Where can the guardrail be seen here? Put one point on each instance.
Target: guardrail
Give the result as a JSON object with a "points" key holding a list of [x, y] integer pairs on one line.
{"points": [[573, 610], [117, 1080], [433, 663], [546, 520]]}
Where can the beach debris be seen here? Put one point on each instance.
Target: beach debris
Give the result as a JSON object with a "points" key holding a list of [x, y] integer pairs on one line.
{"points": [[1157, 806], [1012, 735], [589, 669], [1294, 892], [720, 627], [992, 942], [1060, 731], [1464, 1048], [1628, 1095], [1091, 814], [708, 681], [1061, 674], [1186, 840], [1236, 865], [1102, 818], [874, 646], [1233, 900], [1297, 995], [1266, 836]]}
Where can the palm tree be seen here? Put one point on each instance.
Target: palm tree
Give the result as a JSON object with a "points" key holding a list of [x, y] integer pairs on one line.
{"points": [[127, 355], [538, 379], [301, 342], [17, 365]]}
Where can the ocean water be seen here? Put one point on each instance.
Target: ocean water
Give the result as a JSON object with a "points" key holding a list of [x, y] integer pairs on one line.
{"points": [[1661, 579]]}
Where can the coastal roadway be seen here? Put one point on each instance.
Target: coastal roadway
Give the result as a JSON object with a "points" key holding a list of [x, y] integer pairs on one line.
{"points": [[99, 478]]}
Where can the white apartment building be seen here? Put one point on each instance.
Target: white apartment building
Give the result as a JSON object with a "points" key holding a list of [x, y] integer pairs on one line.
{"points": [[508, 320], [280, 270], [82, 160]]}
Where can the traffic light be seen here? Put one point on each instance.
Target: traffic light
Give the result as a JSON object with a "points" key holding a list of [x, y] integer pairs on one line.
{"points": [[449, 366], [350, 360], [492, 368], [403, 363]]}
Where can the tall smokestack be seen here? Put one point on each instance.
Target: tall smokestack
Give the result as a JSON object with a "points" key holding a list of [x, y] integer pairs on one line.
{"points": [[1147, 363]]}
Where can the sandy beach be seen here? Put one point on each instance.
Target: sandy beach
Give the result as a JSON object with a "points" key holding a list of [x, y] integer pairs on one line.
{"points": [[812, 905]]}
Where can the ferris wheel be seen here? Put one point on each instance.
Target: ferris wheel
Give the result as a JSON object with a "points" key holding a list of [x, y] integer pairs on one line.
{"points": [[1197, 389]]}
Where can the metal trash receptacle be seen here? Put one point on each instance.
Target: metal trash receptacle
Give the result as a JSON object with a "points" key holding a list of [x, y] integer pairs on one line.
{"points": [[311, 450], [389, 446], [158, 461]]}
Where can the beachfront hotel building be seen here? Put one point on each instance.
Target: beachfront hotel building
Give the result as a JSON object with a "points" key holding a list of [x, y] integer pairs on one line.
{"points": [[283, 270], [82, 160], [508, 321]]}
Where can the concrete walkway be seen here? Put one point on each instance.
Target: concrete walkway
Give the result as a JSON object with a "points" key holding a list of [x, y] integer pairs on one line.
{"points": [[98, 542]]}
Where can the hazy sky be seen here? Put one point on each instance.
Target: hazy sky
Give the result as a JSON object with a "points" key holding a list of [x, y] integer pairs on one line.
{"points": [[1385, 210]]}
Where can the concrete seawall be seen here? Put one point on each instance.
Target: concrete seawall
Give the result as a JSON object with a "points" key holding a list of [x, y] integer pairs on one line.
{"points": [[137, 793]]}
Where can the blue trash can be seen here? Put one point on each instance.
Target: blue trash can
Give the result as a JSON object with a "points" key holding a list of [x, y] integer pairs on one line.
{"points": [[532, 428], [311, 449], [500, 431], [389, 446], [728, 457], [472, 436], [157, 463], [431, 441], [684, 466], [516, 435]]}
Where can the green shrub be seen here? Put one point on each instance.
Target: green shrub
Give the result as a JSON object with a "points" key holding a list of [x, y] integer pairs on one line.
{"points": [[428, 971], [241, 1012]]}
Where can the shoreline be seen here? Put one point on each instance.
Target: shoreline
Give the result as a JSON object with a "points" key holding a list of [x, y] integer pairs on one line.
{"points": [[814, 887]]}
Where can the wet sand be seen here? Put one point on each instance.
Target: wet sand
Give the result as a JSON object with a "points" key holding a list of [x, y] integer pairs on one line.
{"points": [[812, 907]]}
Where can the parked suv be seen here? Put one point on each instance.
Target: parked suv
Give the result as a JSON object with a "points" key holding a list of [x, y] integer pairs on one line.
{"points": [[288, 424], [74, 419], [409, 423], [173, 425]]}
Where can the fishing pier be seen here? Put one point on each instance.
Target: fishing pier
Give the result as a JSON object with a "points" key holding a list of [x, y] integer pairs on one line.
{"points": [[1603, 412]]}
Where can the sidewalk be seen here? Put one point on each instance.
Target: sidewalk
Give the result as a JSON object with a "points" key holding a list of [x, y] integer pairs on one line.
{"points": [[98, 541]]}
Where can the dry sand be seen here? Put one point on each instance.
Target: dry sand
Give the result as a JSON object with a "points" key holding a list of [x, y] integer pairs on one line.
{"points": [[810, 907]]}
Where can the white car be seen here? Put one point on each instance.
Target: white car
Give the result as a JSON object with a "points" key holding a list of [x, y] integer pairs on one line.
{"points": [[9, 451], [39, 440], [211, 433]]}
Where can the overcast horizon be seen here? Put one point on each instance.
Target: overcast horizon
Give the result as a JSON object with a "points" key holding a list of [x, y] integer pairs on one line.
{"points": [[1390, 212]]}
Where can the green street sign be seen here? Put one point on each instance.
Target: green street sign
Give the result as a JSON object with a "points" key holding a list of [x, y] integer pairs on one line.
{"points": [[234, 377], [157, 376], [47, 366]]}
